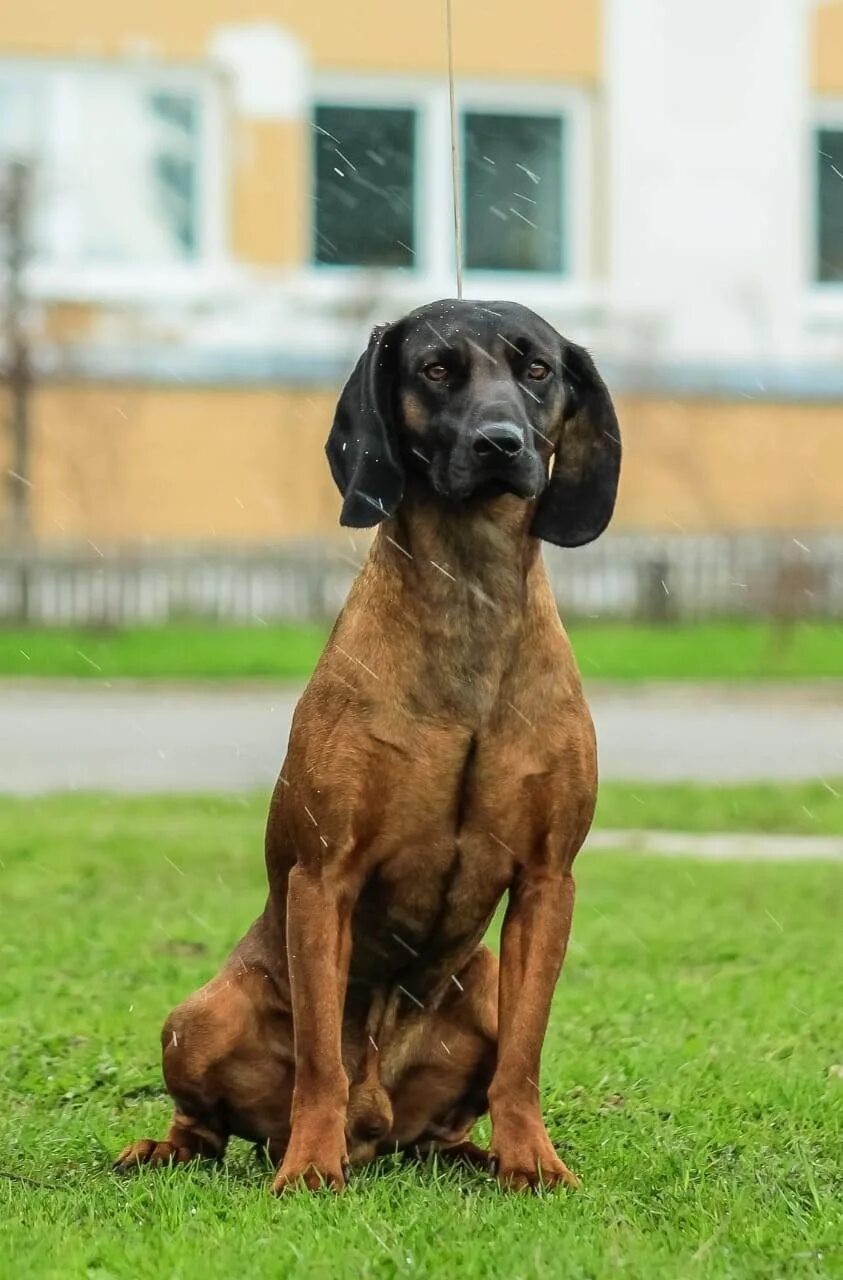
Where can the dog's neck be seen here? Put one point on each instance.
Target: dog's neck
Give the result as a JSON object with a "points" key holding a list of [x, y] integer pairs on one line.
{"points": [[458, 581], [445, 554]]}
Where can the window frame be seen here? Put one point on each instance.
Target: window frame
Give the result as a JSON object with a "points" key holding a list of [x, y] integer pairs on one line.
{"points": [[434, 270], [65, 273], [419, 223], [824, 297]]}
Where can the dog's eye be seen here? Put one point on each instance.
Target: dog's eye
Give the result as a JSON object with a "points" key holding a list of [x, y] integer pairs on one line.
{"points": [[435, 372], [537, 370]]}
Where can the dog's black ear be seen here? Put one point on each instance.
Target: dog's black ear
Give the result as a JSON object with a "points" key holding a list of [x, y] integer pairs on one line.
{"points": [[580, 496], [363, 451]]}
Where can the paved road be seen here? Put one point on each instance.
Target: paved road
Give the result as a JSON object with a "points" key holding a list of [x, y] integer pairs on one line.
{"points": [[157, 737], [720, 846]]}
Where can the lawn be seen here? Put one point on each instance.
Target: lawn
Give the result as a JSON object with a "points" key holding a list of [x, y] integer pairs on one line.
{"points": [[791, 808], [608, 651], [687, 1077]]}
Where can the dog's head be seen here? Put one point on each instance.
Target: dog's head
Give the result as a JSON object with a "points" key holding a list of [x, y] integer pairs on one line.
{"points": [[476, 399]]}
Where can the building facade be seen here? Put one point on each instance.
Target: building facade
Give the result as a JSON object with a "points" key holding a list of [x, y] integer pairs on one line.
{"points": [[225, 198]]}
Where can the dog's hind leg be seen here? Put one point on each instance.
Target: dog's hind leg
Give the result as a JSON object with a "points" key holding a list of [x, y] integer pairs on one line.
{"points": [[227, 1061], [187, 1139], [189, 1061]]}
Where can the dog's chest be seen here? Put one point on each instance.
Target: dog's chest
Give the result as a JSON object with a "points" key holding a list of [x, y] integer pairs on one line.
{"points": [[427, 904], [441, 869]]}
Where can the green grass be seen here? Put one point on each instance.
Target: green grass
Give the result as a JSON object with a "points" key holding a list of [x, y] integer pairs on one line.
{"points": [[174, 652], [709, 651], [610, 651], [793, 808], [686, 1074]]}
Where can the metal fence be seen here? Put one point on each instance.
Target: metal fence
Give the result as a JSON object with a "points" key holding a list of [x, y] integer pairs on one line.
{"points": [[623, 576]]}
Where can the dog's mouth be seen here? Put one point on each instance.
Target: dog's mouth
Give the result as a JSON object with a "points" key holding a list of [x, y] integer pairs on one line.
{"points": [[457, 483], [496, 487]]}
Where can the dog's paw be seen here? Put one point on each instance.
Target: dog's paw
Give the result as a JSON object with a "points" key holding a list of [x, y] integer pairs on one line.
{"points": [[313, 1175], [528, 1163], [544, 1175], [146, 1151]]}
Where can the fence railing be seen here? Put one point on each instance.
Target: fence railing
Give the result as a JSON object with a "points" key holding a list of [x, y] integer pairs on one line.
{"points": [[659, 577]]}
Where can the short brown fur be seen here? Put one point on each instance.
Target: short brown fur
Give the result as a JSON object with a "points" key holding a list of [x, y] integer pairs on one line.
{"points": [[441, 757]]}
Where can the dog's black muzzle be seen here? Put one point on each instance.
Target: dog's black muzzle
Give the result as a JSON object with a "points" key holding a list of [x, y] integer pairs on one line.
{"points": [[494, 458]]}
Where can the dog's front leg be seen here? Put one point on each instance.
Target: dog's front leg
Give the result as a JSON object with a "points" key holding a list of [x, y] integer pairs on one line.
{"points": [[319, 945], [535, 935]]}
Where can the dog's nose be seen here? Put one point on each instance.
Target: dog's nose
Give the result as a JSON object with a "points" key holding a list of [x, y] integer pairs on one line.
{"points": [[498, 441]]}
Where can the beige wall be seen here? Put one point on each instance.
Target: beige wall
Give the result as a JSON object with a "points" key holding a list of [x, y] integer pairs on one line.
{"points": [[269, 224], [707, 464], [269, 204], [122, 463], [827, 48], [557, 40], [554, 38], [125, 463], [119, 464]]}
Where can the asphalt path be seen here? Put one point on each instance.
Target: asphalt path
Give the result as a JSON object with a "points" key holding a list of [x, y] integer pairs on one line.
{"points": [[137, 737]]}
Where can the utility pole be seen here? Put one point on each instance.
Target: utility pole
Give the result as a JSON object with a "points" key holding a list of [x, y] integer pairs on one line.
{"points": [[18, 371]]}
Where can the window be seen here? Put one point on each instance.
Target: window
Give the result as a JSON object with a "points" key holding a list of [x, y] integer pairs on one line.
{"points": [[118, 161], [136, 189], [17, 116], [829, 171], [512, 192], [365, 200], [382, 179]]}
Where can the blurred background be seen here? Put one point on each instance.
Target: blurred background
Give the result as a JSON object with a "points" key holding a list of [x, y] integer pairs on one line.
{"points": [[206, 206]]}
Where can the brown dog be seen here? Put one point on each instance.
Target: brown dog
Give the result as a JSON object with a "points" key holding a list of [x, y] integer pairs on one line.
{"points": [[441, 756]]}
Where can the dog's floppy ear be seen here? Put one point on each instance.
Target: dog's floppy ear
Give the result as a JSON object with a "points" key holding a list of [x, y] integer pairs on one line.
{"points": [[362, 448], [578, 501]]}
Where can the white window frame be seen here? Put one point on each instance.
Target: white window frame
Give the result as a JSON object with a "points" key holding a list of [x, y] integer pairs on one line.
{"points": [[433, 274], [67, 276], [825, 297]]}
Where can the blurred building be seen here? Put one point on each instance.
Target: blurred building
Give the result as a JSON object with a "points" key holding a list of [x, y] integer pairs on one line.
{"points": [[227, 196]]}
